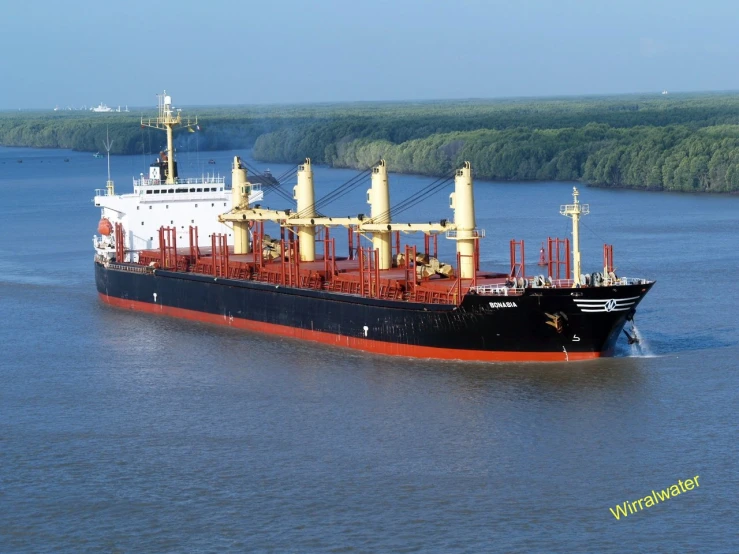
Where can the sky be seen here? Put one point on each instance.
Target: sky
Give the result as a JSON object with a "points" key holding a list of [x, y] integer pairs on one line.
{"points": [[81, 52]]}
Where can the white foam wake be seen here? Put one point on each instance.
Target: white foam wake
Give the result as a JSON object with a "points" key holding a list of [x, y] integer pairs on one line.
{"points": [[641, 348]]}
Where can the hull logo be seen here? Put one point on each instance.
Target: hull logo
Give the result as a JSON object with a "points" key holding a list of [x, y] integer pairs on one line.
{"points": [[606, 304]]}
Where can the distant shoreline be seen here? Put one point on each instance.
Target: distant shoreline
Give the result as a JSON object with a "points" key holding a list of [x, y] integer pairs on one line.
{"points": [[680, 143], [418, 174]]}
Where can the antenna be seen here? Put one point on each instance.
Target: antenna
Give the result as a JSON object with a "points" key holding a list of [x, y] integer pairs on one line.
{"points": [[108, 144], [166, 121]]}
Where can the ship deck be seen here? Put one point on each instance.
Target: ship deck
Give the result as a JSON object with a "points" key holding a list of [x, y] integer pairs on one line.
{"points": [[341, 274]]}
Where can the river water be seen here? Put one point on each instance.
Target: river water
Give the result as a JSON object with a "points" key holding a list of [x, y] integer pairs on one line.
{"points": [[126, 432]]}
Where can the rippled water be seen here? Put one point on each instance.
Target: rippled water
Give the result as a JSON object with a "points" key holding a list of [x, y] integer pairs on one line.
{"points": [[125, 432]]}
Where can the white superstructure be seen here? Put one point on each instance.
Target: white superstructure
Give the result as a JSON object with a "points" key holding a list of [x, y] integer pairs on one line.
{"points": [[195, 202], [162, 199]]}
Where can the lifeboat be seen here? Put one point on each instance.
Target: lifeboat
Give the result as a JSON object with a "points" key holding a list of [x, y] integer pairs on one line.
{"points": [[105, 227]]}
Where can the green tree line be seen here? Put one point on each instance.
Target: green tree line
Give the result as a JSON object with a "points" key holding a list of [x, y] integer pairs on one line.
{"points": [[676, 142]]}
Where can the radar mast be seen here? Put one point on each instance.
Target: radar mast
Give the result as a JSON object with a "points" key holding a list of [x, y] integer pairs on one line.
{"points": [[166, 120]]}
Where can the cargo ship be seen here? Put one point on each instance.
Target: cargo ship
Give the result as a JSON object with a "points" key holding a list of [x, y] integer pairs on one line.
{"points": [[199, 250]]}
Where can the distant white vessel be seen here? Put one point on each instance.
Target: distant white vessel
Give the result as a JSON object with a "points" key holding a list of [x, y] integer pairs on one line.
{"points": [[101, 108], [665, 92]]}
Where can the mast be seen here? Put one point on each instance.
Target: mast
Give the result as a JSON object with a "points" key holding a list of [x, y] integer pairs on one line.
{"points": [[304, 195], [167, 121], [462, 201], [378, 197], [108, 144], [240, 189], [574, 211]]}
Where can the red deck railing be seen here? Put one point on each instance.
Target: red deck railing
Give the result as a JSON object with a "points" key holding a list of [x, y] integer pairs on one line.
{"points": [[362, 277], [608, 258], [518, 263], [120, 243], [559, 258]]}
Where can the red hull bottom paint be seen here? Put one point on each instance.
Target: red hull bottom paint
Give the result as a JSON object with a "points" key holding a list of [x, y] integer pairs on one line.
{"points": [[375, 347]]}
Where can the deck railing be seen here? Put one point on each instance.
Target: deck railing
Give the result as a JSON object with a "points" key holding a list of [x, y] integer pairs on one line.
{"points": [[202, 180], [497, 290]]}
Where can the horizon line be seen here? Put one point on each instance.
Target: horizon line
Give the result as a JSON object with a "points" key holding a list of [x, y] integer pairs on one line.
{"points": [[408, 100]]}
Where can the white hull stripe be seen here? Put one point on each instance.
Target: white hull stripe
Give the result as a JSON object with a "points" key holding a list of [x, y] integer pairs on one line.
{"points": [[602, 300], [605, 304], [604, 310]]}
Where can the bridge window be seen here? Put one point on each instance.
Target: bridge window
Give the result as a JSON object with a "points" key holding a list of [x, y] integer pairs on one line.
{"points": [[156, 191], [150, 207], [200, 190], [170, 191], [166, 206], [192, 190], [148, 191]]}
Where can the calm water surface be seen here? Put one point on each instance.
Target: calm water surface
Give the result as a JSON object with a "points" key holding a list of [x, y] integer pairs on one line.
{"points": [[123, 432]]}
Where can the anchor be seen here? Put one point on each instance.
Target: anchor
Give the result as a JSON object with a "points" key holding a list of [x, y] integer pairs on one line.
{"points": [[632, 338]]}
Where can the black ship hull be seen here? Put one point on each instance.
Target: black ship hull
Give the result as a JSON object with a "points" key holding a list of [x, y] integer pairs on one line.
{"points": [[544, 324]]}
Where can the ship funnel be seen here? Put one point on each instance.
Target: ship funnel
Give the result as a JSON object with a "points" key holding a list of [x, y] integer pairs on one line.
{"points": [[305, 197], [462, 201], [378, 197], [240, 200]]}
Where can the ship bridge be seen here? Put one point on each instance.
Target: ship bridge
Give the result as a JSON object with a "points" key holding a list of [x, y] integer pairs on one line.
{"points": [[156, 190]]}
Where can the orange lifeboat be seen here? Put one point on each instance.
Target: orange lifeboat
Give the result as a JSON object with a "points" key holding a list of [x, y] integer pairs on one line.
{"points": [[105, 227]]}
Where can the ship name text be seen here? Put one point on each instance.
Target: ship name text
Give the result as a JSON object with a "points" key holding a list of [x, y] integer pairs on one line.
{"points": [[503, 305]]}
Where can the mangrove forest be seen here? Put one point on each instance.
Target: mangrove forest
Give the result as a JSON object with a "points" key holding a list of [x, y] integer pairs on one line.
{"points": [[680, 142]]}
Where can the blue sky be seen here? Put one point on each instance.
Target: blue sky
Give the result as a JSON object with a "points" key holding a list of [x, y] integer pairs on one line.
{"points": [[285, 51]]}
